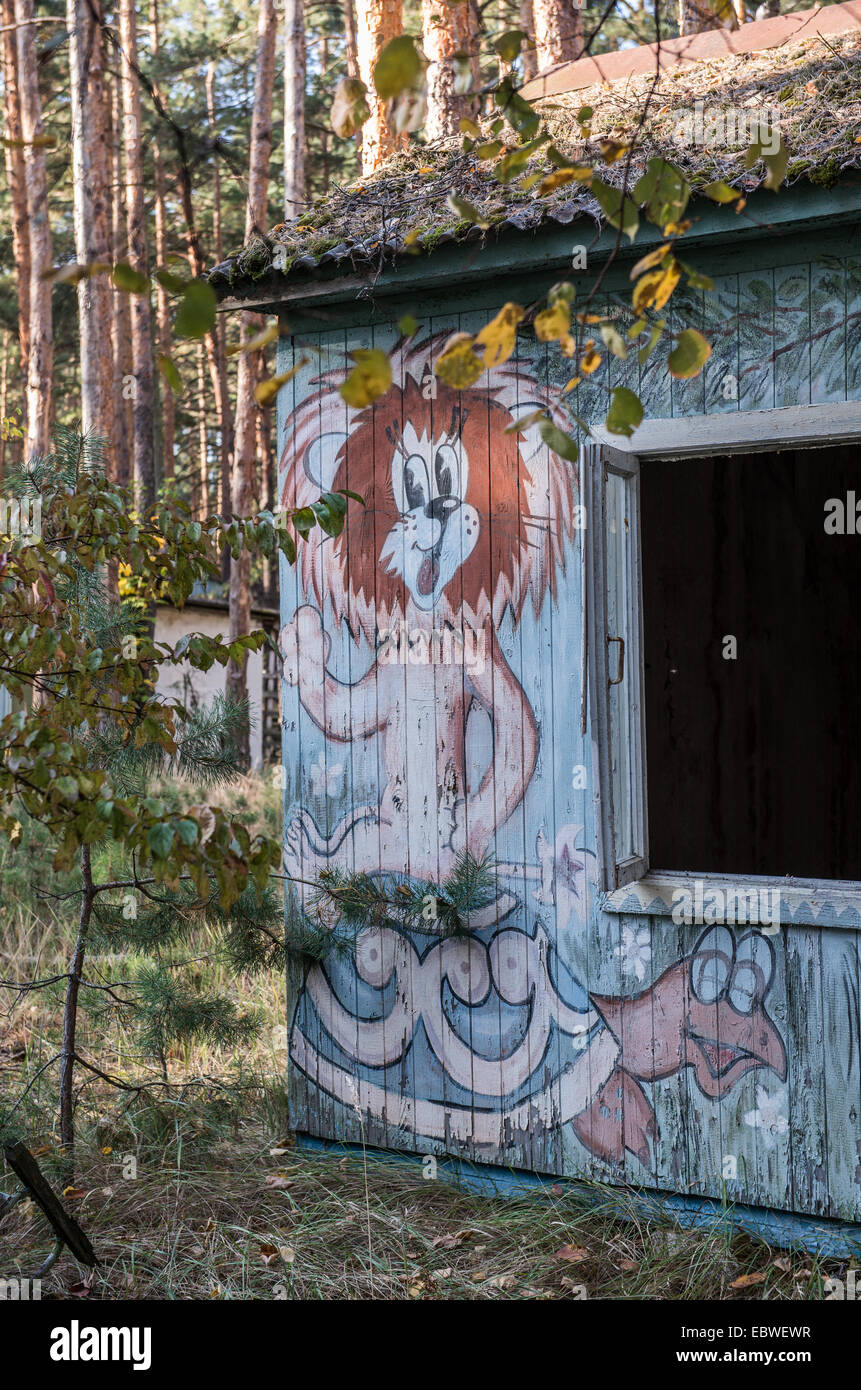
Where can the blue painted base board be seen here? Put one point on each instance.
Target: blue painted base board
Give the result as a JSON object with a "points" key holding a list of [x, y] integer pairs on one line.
{"points": [[781, 1229]]}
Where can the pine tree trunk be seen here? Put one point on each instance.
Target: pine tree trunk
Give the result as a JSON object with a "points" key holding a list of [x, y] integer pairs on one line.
{"points": [[40, 361], [217, 347], [697, 17], [200, 493], [558, 31], [294, 108], [143, 452], [446, 30], [121, 327], [245, 483], [162, 299], [378, 22], [528, 55], [4, 402], [16, 180], [91, 218]]}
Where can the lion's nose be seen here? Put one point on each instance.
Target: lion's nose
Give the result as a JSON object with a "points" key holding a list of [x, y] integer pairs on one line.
{"points": [[441, 508]]}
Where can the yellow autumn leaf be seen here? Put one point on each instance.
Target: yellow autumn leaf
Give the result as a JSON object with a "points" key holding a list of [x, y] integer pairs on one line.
{"points": [[499, 337], [458, 364], [370, 378], [655, 287], [572, 173], [551, 324], [591, 360], [646, 262], [266, 391], [260, 340], [570, 384]]}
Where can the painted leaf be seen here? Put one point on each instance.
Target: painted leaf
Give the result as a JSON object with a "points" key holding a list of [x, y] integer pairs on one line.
{"points": [[625, 413], [499, 337], [350, 107], [196, 313], [689, 355], [458, 365], [370, 378]]}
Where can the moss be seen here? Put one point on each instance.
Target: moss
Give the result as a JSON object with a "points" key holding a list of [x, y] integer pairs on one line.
{"points": [[824, 175]]}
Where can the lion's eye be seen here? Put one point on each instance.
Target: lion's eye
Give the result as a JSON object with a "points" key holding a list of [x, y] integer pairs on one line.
{"points": [[447, 472], [415, 482]]}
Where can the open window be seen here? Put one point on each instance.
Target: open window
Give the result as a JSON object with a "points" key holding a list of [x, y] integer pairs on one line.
{"points": [[725, 648]]}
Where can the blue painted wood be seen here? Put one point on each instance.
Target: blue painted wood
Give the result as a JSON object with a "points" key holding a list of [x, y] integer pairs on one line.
{"points": [[560, 1038]]}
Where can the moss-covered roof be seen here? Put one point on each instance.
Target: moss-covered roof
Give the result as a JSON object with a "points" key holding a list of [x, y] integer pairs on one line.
{"points": [[812, 86]]}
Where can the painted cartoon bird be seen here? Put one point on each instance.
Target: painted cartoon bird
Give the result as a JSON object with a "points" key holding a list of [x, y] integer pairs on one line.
{"points": [[706, 1012]]}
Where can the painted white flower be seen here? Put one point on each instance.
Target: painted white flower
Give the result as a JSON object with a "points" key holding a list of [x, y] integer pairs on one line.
{"points": [[325, 780], [768, 1116], [635, 951]]}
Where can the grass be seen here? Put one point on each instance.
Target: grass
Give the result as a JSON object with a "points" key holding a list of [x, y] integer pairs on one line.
{"points": [[198, 1193]]}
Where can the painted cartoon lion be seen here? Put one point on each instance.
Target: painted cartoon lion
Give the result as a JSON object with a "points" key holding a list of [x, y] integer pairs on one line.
{"points": [[464, 519]]}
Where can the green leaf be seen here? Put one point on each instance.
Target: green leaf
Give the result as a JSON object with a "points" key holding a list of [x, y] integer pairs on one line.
{"points": [[663, 191], [508, 45], [408, 325], [519, 113], [774, 158], [689, 356], [188, 831], [398, 69], [556, 439], [160, 838], [466, 210], [196, 313], [625, 413], [720, 192], [167, 367], [125, 277], [623, 215]]}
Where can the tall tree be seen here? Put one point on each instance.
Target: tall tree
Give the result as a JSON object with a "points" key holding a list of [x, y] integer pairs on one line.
{"points": [[294, 107], [162, 298], [378, 22], [40, 361], [13, 151], [218, 340], [91, 217], [558, 31], [446, 32], [121, 327], [527, 24], [351, 55], [143, 452], [244, 473]]}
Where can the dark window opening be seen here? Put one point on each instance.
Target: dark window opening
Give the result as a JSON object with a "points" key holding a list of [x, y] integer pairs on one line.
{"points": [[754, 763]]}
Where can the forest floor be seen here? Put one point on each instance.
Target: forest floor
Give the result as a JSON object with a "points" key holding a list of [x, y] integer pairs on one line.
{"points": [[200, 1193]]}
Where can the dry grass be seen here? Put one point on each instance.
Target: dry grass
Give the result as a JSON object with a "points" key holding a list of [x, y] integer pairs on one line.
{"points": [[233, 1222]]}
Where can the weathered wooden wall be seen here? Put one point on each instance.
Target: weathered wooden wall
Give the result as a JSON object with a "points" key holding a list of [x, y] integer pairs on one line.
{"points": [[560, 1038]]}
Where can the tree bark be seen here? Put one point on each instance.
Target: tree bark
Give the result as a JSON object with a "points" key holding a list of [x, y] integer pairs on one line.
{"points": [[351, 55], [528, 55], [217, 346], [294, 108], [378, 22], [4, 400], [446, 30], [698, 16], [91, 219], [245, 484], [143, 452], [121, 327], [558, 31], [70, 1009], [200, 493], [16, 179], [162, 299], [40, 360]]}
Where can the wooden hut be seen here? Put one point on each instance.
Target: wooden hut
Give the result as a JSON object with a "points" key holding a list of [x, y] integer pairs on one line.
{"points": [[631, 678]]}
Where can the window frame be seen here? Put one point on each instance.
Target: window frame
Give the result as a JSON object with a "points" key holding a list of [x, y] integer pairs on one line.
{"points": [[633, 886]]}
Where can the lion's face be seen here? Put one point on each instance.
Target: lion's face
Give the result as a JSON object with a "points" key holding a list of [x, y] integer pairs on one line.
{"points": [[462, 515], [437, 529]]}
